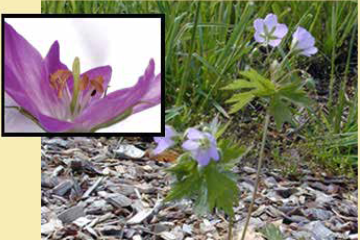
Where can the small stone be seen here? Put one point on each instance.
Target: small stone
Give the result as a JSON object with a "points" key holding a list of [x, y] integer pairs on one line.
{"points": [[317, 214], [206, 227], [168, 236], [136, 237], [285, 192], [119, 200], [82, 222], [159, 227], [319, 231], [72, 214], [51, 226], [62, 188], [129, 151], [249, 170], [270, 182]]}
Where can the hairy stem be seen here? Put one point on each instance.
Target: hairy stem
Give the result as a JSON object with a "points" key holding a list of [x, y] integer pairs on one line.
{"points": [[261, 157], [231, 221]]}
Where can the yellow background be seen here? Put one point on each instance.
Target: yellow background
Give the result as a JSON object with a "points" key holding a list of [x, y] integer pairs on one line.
{"points": [[20, 167]]}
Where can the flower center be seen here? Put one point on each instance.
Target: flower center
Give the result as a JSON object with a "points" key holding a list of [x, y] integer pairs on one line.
{"points": [[205, 143], [58, 81]]}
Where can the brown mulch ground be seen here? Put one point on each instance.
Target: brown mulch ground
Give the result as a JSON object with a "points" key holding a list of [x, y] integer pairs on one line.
{"points": [[111, 189]]}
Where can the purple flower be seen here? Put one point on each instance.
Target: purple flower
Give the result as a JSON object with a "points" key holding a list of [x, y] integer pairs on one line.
{"points": [[269, 31], [63, 100], [202, 146], [303, 42], [165, 142]]}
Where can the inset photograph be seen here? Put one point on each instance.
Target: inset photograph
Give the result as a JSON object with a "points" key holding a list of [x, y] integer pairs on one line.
{"points": [[82, 75]]}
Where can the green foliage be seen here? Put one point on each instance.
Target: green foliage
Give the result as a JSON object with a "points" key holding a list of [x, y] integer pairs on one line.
{"points": [[211, 187], [223, 45], [271, 232], [279, 95], [230, 153], [223, 42]]}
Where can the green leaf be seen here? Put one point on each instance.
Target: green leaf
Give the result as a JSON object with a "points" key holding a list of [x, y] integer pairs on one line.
{"points": [[271, 232], [230, 153], [240, 84], [295, 93], [241, 100], [186, 186], [279, 110], [257, 78], [222, 189], [184, 166]]}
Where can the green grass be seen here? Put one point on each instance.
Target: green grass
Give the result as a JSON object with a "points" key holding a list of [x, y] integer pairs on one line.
{"points": [[208, 43]]}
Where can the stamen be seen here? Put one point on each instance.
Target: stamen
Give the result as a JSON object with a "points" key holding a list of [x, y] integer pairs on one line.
{"points": [[84, 82], [97, 83], [58, 80]]}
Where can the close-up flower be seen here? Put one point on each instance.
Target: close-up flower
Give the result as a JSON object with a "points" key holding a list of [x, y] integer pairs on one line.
{"points": [[62, 99], [165, 142], [202, 146], [303, 42], [268, 31]]}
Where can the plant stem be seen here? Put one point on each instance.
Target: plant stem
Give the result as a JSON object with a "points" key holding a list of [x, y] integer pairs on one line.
{"points": [[265, 129], [231, 222]]}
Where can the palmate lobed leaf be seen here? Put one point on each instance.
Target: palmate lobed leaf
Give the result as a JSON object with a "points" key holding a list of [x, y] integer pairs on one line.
{"points": [[279, 110], [241, 84], [222, 189], [279, 96], [262, 82], [241, 100], [211, 186], [230, 153]]}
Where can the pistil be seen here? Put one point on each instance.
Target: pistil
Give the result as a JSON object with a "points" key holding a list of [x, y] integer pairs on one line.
{"points": [[76, 77]]}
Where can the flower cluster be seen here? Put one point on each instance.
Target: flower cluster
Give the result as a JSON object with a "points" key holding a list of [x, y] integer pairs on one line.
{"points": [[269, 32], [201, 144]]}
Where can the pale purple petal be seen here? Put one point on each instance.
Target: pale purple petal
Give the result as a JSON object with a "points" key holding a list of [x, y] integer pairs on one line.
{"points": [[190, 145], [194, 134], [304, 42], [280, 31], [163, 144], [275, 42], [51, 64], [170, 132], [15, 121], [15, 90], [299, 32], [202, 157], [152, 97], [259, 38], [116, 103], [310, 51], [259, 25], [214, 154], [270, 21], [51, 124], [25, 63]]}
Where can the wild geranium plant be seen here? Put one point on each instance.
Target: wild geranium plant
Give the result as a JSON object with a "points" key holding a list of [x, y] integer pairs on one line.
{"points": [[203, 172], [278, 86], [59, 99]]}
